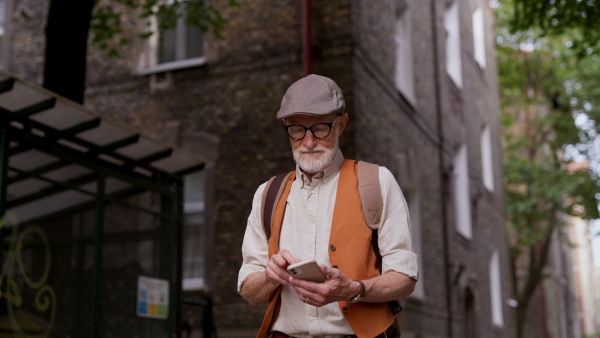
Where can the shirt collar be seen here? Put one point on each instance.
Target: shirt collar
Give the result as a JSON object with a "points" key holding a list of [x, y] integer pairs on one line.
{"points": [[330, 171]]}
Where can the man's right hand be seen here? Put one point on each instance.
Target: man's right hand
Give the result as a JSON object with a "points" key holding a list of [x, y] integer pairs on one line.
{"points": [[276, 270], [258, 286]]}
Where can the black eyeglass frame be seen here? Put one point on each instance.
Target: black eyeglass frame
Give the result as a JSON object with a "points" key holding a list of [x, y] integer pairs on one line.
{"points": [[330, 125]]}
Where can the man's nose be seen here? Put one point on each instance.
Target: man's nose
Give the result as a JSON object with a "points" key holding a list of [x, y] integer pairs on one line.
{"points": [[309, 140]]}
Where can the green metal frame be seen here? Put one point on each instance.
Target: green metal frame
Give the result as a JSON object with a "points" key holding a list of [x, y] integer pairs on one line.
{"points": [[167, 185], [4, 152]]}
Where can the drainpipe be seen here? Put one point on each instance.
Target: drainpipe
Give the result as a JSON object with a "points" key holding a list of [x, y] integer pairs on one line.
{"points": [[444, 191], [306, 43]]}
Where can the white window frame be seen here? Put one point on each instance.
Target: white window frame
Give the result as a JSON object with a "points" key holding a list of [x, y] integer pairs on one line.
{"points": [[462, 195], [453, 50], [404, 68], [195, 283], [479, 37], [148, 61], [487, 160], [496, 290]]}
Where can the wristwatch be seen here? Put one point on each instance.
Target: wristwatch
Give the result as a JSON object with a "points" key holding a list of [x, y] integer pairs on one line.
{"points": [[361, 294]]}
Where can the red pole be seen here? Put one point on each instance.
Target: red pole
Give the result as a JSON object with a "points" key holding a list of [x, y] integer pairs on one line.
{"points": [[306, 44]]}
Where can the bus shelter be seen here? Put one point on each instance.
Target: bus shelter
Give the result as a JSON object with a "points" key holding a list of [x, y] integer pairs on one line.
{"points": [[90, 222]]}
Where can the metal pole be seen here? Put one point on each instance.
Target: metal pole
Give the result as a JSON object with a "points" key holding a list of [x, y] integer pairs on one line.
{"points": [[98, 242], [306, 38], [444, 177], [177, 257], [178, 222], [4, 152]]}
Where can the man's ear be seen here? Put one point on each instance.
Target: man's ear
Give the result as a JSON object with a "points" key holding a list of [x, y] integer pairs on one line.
{"points": [[343, 121]]}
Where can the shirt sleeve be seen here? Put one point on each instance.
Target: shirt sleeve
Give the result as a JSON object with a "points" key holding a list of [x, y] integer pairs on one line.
{"points": [[255, 248], [394, 234]]}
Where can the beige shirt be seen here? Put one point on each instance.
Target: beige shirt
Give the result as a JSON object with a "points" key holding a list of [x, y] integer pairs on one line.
{"points": [[305, 233]]}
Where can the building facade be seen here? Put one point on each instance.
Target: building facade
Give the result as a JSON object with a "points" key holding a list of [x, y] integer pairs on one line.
{"points": [[420, 83]]}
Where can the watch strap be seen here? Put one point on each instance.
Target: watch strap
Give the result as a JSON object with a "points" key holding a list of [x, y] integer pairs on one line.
{"points": [[361, 293]]}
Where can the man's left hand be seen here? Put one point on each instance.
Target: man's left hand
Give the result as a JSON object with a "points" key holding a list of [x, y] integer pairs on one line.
{"points": [[337, 287]]}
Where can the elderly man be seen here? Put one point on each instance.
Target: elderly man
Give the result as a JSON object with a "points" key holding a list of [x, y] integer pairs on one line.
{"points": [[319, 217]]}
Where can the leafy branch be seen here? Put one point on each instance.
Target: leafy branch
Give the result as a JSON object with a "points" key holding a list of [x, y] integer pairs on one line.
{"points": [[106, 24]]}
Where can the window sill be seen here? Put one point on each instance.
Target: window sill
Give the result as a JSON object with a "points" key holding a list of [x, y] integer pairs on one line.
{"points": [[175, 65]]}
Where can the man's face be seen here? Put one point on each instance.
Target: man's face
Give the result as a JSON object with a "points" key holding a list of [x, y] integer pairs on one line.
{"points": [[314, 154]]}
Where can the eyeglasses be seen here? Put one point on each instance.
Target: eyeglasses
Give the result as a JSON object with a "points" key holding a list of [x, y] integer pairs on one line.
{"points": [[319, 130]]}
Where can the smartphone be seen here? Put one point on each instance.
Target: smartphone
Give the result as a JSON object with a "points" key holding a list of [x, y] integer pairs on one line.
{"points": [[307, 270]]}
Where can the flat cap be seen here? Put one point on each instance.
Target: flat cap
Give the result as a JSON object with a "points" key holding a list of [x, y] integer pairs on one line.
{"points": [[312, 95]]}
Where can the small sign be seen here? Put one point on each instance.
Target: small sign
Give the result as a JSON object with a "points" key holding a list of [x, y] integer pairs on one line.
{"points": [[153, 297]]}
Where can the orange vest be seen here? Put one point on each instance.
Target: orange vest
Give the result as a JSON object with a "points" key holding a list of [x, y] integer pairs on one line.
{"points": [[349, 248]]}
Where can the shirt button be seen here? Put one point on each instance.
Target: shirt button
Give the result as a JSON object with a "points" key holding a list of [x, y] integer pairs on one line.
{"points": [[312, 225], [312, 318], [312, 256], [332, 247]]}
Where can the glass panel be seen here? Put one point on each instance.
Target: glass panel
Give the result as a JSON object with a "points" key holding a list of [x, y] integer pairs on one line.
{"points": [[193, 189], [136, 244], [166, 52], [194, 43], [49, 266], [194, 229], [193, 257]]}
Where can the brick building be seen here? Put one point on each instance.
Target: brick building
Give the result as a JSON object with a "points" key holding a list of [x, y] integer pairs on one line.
{"points": [[420, 83]]}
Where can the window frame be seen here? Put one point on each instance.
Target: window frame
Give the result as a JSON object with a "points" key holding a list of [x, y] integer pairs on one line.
{"points": [[462, 194], [404, 56], [487, 158], [479, 50], [453, 46], [148, 61], [496, 290]]}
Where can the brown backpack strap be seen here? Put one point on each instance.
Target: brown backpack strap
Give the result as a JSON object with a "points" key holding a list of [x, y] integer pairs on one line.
{"points": [[371, 200], [270, 198], [369, 189]]}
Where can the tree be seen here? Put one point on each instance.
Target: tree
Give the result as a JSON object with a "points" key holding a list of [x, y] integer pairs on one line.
{"points": [[550, 114], [70, 22], [554, 18]]}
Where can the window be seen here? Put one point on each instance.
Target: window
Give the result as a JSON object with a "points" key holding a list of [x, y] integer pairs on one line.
{"points": [[496, 290], [172, 49], [487, 159], [453, 54], [479, 37], [404, 76], [194, 232], [462, 198], [469, 316]]}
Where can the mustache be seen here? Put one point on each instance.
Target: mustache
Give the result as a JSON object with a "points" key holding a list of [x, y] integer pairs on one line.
{"points": [[317, 149]]}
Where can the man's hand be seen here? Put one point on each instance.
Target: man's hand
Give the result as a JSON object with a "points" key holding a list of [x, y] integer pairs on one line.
{"points": [[277, 267], [258, 286], [337, 287]]}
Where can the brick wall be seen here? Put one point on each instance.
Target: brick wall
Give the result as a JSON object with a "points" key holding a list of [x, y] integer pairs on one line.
{"points": [[235, 96]]}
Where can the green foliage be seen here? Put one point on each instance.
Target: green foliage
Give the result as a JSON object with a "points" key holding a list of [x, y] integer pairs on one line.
{"points": [[106, 24], [547, 84], [556, 17]]}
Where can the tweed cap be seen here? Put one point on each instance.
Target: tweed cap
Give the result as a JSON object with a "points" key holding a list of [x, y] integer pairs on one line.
{"points": [[312, 95]]}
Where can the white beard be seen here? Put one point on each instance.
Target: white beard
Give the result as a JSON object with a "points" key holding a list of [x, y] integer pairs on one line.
{"points": [[315, 160]]}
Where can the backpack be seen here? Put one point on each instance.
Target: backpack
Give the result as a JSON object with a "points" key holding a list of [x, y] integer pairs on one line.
{"points": [[369, 190]]}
